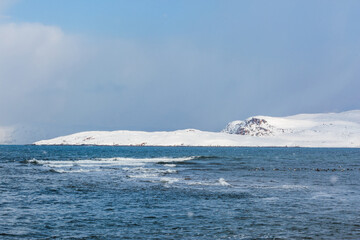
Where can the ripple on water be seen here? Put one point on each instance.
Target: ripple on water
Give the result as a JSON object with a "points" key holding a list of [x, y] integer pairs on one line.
{"points": [[162, 193]]}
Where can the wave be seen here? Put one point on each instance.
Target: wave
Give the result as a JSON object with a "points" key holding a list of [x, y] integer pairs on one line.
{"points": [[74, 170], [222, 182], [97, 162], [219, 182], [284, 187], [133, 169], [30, 161], [130, 167], [205, 157], [202, 157]]}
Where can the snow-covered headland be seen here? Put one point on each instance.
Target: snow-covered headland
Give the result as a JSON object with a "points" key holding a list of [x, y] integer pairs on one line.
{"points": [[303, 130]]}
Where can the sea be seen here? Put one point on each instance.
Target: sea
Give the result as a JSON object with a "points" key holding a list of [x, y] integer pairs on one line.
{"points": [[98, 192]]}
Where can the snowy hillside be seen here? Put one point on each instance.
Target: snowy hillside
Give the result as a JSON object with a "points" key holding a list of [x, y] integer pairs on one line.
{"points": [[303, 130]]}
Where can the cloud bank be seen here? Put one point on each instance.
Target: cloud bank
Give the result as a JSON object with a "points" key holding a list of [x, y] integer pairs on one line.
{"points": [[33, 62]]}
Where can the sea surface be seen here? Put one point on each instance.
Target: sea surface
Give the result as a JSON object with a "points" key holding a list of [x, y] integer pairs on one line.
{"points": [[92, 192]]}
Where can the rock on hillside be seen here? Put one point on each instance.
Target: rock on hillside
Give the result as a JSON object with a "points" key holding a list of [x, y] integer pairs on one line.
{"points": [[252, 126]]}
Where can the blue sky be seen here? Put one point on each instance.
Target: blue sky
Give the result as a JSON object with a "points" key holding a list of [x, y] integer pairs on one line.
{"points": [[68, 66]]}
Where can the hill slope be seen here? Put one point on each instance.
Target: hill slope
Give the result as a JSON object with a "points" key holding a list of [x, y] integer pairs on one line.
{"points": [[303, 130]]}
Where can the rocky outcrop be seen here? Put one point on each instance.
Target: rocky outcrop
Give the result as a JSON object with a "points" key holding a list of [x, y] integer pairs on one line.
{"points": [[252, 127]]}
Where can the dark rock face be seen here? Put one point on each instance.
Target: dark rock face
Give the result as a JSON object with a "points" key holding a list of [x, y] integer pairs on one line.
{"points": [[254, 127], [256, 121]]}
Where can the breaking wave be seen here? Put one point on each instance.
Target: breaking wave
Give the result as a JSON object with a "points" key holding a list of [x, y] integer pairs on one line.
{"points": [[143, 168], [156, 170], [102, 162], [205, 157]]}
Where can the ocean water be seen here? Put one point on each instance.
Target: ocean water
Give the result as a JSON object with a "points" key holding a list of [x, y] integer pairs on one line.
{"points": [[89, 192]]}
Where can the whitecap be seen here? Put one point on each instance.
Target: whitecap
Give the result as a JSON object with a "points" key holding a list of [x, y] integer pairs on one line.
{"points": [[222, 182], [219, 182], [116, 161], [75, 170], [168, 180], [293, 187], [322, 195], [169, 165]]}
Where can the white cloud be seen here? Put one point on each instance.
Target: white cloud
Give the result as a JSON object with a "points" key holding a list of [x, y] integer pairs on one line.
{"points": [[32, 54], [35, 59], [6, 135]]}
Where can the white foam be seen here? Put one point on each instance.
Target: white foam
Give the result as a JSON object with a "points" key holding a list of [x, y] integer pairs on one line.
{"points": [[222, 182], [199, 183], [285, 186], [219, 182], [293, 187], [149, 170], [168, 180], [133, 167], [117, 161], [76, 170], [169, 165], [144, 175], [322, 195], [151, 174]]}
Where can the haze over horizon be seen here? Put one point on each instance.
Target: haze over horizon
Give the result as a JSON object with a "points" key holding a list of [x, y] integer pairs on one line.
{"points": [[70, 66]]}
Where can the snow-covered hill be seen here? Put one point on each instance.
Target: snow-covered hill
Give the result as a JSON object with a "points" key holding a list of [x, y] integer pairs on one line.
{"points": [[303, 130]]}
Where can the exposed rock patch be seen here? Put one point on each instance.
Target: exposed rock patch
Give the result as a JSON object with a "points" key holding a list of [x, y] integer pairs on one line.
{"points": [[252, 127]]}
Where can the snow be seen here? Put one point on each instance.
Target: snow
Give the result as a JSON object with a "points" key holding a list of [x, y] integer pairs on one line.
{"points": [[303, 130]]}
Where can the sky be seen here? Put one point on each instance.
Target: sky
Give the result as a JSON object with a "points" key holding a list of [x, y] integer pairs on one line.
{"points": [[68, 66]]}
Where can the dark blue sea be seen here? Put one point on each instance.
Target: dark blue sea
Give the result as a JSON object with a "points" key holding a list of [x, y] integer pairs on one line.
{"points": [[90, 192]]}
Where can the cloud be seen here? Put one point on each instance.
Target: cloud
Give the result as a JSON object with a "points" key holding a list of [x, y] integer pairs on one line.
{"points": [[34, 62], [33, 53], [6, 135]]}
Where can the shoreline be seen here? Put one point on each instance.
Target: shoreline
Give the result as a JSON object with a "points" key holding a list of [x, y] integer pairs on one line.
{"points": [[179, 146]]}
